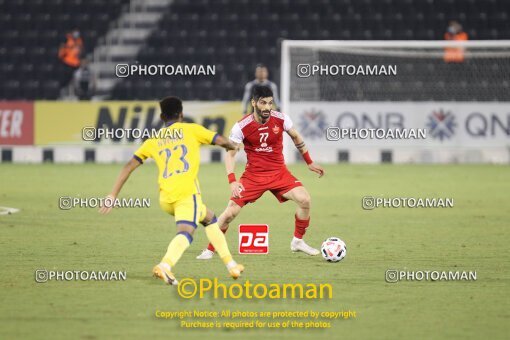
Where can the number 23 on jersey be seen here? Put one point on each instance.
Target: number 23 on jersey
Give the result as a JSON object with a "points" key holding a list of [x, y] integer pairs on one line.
{"points": [[175, 164]]}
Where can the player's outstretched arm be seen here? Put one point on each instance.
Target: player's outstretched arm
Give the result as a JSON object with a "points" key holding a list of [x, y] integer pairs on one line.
{"points": [[226, 143], [119, 183], [301, 146]]}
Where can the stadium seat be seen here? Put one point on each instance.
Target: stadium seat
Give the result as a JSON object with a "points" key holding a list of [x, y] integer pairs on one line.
{"points": [[31, 32], [228, 24], [236, 34]]}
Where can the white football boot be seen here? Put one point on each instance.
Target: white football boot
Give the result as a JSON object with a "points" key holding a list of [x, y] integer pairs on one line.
{"points": [[205, 255], [298, 244]]}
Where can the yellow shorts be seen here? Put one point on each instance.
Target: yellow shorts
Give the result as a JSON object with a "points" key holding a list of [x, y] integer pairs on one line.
{"points": [[189, 210]]}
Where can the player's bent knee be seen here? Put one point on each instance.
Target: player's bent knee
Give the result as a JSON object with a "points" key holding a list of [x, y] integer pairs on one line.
{"points": [[189, 236], [304, 201], [229, 217], [231, 212], [187, 228]]}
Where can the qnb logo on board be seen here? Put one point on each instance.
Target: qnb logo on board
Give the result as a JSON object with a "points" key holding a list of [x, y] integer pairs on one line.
{"points": [[313, 123], [441, 125]]}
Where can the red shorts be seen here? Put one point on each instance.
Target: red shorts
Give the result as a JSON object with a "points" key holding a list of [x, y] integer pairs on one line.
{"points": [[255, 186]]}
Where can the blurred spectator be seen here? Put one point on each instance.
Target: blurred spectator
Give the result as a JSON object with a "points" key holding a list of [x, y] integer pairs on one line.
{"points": [[84, 81], [454, 32], [261, 78], [70, 51]]}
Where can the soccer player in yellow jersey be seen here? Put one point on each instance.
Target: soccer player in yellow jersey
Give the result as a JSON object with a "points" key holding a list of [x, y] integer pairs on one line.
{"points": [[176, 152]]}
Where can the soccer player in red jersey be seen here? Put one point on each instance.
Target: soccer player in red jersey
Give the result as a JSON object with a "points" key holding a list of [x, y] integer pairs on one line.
{"points": [[262, 136]]}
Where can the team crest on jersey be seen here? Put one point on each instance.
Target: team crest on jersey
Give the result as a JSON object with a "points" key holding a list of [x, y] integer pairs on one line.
{"points": [[276, 129]]}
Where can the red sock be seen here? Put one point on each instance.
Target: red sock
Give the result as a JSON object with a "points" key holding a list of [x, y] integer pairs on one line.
{"points": [[210, 246], [301, 226]]}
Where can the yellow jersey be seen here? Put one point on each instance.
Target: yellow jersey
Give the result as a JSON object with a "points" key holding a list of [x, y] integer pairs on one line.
{"points": [[176, 151]]}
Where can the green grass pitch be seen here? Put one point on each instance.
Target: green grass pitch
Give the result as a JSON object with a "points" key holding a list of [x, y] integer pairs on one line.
{"points": [[473, 235]]}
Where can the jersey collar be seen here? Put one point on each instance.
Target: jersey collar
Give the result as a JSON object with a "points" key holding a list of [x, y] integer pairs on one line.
{"points": [[262, 124]]}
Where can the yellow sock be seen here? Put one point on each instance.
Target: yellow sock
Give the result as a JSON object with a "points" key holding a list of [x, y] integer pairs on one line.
{"points": [[176, 248], [218, 240]]}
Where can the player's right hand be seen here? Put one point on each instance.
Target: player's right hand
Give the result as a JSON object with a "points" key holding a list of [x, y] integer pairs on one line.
{"points": [[317, 169], [236, 188], [107, 205]]}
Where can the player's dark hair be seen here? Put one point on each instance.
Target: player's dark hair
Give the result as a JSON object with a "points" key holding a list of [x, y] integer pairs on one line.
{"points": [[261, 92], [171, 107]]}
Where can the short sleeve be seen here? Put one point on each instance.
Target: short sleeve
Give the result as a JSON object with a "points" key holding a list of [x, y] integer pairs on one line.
{"points": [[143, 152], [203, 135], [236, 134], [287, 123]]}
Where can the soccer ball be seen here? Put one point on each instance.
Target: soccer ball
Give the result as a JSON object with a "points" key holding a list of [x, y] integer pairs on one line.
{"points": [[333, 249]]}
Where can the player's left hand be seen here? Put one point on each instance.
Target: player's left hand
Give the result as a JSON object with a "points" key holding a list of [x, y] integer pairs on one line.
{"points": [[317, 169], [107, 205]]}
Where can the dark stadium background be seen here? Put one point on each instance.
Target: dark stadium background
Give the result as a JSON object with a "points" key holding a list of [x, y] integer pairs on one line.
{"points": [[235, 35]]}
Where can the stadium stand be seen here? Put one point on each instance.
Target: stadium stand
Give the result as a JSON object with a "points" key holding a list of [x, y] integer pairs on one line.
{"points": [[237, 34], [234, 35], [30, 34]]}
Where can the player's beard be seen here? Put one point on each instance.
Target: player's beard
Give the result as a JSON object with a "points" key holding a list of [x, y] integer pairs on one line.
{"points": [[263, 115]]}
